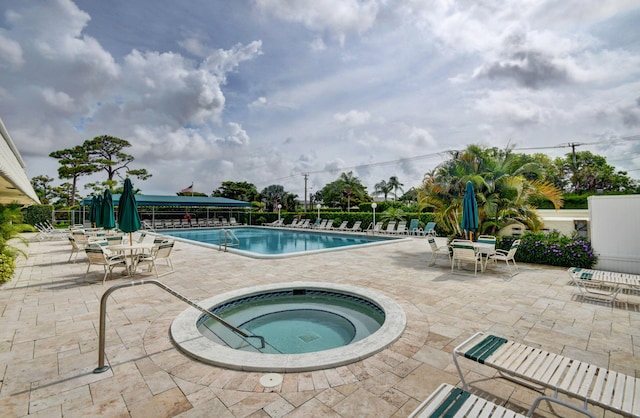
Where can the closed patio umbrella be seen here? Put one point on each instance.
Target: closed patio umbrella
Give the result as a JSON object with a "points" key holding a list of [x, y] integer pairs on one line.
{"points": [[128, 215], [107, 215], [99, 211], [470, 210], [94, 211]]}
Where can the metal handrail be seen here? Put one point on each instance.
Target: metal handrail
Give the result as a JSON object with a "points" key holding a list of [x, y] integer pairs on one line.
{"points": [[228, 235], [103, 313]]}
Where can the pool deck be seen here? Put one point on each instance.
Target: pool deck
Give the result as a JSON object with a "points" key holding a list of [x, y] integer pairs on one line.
{"points": [[50, 317]]}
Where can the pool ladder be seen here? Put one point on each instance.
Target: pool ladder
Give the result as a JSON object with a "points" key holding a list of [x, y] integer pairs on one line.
{"points": [[227, 238], [103, 313]]}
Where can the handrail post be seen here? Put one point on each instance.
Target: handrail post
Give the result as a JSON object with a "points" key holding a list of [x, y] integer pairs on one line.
{"points": [[103, 313]]}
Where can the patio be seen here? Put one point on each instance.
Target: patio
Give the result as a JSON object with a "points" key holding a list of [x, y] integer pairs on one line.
{"points": [[50, 315]]}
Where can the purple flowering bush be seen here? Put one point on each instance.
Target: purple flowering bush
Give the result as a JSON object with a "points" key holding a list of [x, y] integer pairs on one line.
{"points": [[553, 249]]}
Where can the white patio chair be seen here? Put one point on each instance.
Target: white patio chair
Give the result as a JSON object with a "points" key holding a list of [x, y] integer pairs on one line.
{"points": [[98, 256], [465, 252], [435, 250], [506, 256], [160, 252]]}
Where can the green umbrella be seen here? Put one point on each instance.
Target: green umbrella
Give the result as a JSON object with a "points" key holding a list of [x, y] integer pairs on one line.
{"points": [[99, 211], [128, 215], [94, 211], [106, 211], [470, 210]]}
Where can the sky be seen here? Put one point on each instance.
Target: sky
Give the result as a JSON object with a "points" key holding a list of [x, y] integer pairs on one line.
{"points": [[267, 91]]}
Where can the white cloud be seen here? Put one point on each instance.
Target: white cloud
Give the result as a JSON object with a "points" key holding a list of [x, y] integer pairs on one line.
{"points": [[10, 53], [353, 118], [339, 17]]}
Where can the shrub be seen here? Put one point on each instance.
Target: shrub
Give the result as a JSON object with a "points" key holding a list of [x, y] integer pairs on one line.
{"points": [[553, 249], [7, 267], [37, 214]]}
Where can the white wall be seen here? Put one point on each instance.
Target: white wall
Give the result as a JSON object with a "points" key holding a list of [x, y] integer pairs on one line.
{"points": [[615, 232]]}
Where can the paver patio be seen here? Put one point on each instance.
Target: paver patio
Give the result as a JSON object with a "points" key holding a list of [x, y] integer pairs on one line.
{"points": [[50, 315]]}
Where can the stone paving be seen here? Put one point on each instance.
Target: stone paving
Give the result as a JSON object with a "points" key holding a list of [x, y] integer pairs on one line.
{"points": [[50, 317]]}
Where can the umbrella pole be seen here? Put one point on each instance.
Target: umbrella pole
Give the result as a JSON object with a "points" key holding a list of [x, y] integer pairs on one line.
{"points": [[130, 238]]}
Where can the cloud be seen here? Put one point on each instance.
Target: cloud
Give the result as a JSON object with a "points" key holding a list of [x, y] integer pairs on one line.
{"points": [[10, 53], [338, 17], [353, 118]]}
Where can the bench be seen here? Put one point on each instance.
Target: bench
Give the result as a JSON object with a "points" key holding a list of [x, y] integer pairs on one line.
{"points": [[531, 366]]}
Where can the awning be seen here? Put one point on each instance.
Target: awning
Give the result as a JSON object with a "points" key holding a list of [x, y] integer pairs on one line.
{"points": [[14, 183], [182, 201]]}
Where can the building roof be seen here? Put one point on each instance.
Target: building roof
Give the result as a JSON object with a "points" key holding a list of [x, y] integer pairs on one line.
{"points": [[15, 186], [184, 201]]}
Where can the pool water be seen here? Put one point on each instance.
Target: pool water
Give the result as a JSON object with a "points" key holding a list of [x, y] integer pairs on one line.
{"points": [[297, 322], [271, 241]]}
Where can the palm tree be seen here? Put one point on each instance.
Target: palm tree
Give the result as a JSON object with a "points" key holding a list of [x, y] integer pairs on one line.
{"points": [[502, 185], [382, 188], [395, 184], [350, 184]]}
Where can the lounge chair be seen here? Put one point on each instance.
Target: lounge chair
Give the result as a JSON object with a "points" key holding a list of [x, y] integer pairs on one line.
{"points": [[506, 256], [450, 401], [232, 221], [391, 227], [430, 229], [342, 227], [303, 224], [401, 229], [293, 224], [321, 225], [414, 228], [463, 251], [356, 227], [603, 284], [532, 366], [328, 225], [375, 229]]}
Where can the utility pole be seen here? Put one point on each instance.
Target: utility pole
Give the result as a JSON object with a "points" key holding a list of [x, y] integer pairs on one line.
{"points": [[306, 177]]}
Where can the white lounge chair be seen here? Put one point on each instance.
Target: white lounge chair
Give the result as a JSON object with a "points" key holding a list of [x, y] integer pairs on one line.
{"points": [[328, 225], [375, 229], [450, 401], [532, 366], [342, 227], [603, 284], [356, 227], [321, 225], [401, 229], [391, 227]]}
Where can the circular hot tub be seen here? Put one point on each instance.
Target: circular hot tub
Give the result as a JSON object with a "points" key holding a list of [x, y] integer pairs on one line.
{"points": [[305, 326]]}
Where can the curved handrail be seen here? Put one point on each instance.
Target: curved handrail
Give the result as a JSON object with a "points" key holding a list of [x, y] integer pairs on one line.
{"points": [[230, 239], [103, 313]]}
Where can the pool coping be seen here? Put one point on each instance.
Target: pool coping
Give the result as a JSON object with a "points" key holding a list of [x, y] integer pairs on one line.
{"points": [[383, 241], [189, 340]]}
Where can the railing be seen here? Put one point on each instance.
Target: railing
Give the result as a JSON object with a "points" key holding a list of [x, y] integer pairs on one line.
{"points": [[103, 313], [227, 238]]}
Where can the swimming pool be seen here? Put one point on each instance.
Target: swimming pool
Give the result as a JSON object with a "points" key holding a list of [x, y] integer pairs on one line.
{"points": [[260, 242]]}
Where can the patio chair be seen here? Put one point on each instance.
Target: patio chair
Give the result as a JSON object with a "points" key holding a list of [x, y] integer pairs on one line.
{"points": [[356, 227], [328, 225], [506, 256], [304, 223], [98, 256], [539, 369], [414, 228], [75, 249], [430, 229], [142, 236], [463, 251], [321, 225], [160, 252], [450, 401], [435, 250]]}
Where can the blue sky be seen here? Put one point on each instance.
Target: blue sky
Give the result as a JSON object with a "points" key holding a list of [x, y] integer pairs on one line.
{"points": [[267, 90]]}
